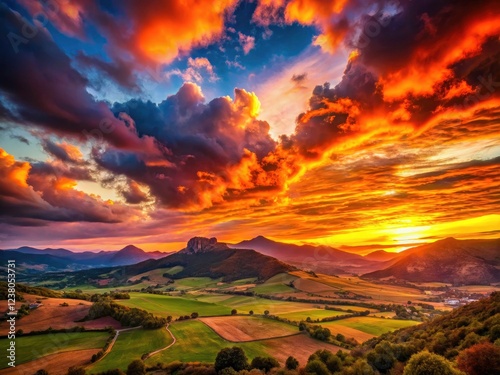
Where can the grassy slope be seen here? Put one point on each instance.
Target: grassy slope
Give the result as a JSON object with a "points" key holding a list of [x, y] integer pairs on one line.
{"points": [[374, 326], [132, 345], [29, 348]]}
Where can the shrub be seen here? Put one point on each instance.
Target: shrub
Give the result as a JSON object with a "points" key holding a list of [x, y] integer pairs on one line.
{"points": [[480, 359], [231, 357], [136, 367], [291, 363], [316, 367], [425, 363], [264, 363]]}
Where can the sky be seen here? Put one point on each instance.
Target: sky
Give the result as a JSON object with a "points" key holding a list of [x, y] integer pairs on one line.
{"points": [[336, 122]]}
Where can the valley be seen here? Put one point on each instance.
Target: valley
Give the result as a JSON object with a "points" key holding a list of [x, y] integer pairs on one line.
{"points": [[206, 298]]}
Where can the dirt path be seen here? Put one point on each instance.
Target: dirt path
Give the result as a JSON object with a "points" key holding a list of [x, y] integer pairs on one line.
{"points": [[118, 331], [166, 347]]}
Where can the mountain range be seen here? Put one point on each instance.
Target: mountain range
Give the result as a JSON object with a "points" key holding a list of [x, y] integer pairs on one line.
{"points": [[324, 259], [33, 260], [449, 260]]}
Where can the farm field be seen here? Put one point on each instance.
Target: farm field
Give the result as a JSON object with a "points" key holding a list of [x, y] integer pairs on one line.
{"points": [[156, 276], [161, 305], [276, 284], [30, 348], [209, 305], [378, 292], [313, 314], [197, 342], [52, 314], [57, 363], [372, 326], [131, 345], [245, 328], [194, 283]]}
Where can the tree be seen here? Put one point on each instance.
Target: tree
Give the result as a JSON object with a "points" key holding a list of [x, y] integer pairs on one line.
{"points": [[42, 372], [334, 364], [382, 356], [480, 359], [264, 363], [136, 367], [316, 367], [231, 357], [291, 363], [251, 312], [194, 315], [76, 370], [266, 313], [425, 363], [360, 367], [234, 312], [228, 371], [169, 318]]}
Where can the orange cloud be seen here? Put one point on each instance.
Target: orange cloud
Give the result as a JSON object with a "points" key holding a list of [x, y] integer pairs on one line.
{"points": [[169, 28]]}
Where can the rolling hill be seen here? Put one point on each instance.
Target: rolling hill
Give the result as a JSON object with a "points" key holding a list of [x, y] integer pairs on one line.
{"points": [[450, 261]]}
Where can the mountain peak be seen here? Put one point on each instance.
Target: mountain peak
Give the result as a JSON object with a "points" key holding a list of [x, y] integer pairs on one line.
{"points": [[202, 245], [130, 248]]}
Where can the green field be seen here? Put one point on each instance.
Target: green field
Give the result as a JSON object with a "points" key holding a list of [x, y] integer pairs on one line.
{"points": [[161, 305], [198, 343], [276, 284], [194, 283], [132, 345], [29, 348], [209, 305], [373, 326], [313, 314]]}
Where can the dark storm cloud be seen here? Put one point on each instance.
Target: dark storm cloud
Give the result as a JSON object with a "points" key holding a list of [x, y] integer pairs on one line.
{"points": [[39, 83]]}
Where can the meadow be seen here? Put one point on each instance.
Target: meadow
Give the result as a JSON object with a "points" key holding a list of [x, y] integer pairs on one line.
{"points": [[30, 348], [131, 345], [370, 325]]}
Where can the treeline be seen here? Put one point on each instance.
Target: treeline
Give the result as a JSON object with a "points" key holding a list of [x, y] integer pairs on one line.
{"points": [[128, 317], [22, 288]]}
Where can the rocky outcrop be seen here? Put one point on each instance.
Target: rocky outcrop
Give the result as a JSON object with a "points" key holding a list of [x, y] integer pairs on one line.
{"points": [[202, 245]]}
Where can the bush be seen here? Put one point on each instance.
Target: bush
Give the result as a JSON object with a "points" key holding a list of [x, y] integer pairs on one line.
{"points": [[231, 357], [316, 367], [136, 367], [291, 363], [480, 359], [425, 363], [264, 363]]}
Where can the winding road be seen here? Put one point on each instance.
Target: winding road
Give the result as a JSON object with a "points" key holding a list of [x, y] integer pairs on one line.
{"points": [[174, 340]]}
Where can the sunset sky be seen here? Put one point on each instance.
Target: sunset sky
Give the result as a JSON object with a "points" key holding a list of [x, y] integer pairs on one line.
{"points": [[331, 122]]}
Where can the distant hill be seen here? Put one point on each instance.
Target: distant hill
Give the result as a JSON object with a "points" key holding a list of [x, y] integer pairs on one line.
{"points": [[449, 261], [382, 256], [32, 260], [323, 259]]}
